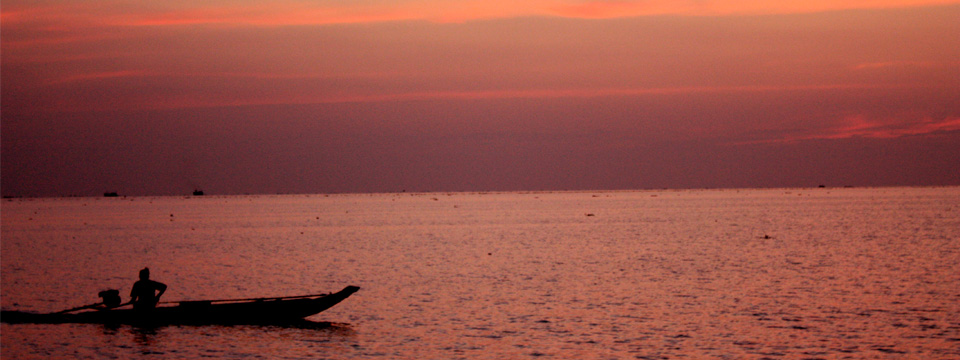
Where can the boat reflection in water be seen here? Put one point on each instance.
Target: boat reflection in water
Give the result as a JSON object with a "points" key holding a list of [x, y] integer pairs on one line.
{"points": [[254, 311]]}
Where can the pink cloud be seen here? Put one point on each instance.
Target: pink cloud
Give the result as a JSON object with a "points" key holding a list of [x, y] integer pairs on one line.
{"points": [[860, 126], [190, 99], [98, 76], [222, 75], [903, 64]]}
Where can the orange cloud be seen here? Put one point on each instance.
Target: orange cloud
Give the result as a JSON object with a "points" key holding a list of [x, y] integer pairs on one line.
{"points": [[67, 14], [270, 15], [613, 9], [626, 8]]}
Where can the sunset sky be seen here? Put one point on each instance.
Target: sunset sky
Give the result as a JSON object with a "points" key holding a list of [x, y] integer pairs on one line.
{"points": [[330, 96]]}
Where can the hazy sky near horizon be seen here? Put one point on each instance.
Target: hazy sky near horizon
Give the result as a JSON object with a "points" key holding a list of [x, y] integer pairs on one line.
{"points": [[234, 97]]}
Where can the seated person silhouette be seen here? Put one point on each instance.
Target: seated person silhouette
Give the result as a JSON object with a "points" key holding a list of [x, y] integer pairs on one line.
{"points": [[146, 293]]}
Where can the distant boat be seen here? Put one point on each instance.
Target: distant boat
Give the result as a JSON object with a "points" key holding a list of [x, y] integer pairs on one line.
{"points": [[198, 193], [110, 194], [253, 311]]}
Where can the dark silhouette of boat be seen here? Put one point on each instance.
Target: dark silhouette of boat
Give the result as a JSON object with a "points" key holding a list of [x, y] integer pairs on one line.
{"points": [[110, 194], [253, 311], [198, 193]]}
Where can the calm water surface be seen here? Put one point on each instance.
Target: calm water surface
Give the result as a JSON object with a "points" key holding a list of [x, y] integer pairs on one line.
{"points": [[737, 274]]}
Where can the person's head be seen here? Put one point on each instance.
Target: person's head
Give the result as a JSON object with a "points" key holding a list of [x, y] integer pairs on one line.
{"points": [[145, 274]]}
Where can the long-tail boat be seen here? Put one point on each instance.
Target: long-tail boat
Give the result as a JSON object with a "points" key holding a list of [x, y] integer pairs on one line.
{"points": [[276, 310]]}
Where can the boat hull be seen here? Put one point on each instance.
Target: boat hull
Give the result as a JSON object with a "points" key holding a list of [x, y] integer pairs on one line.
{"points": [[258, 311]]}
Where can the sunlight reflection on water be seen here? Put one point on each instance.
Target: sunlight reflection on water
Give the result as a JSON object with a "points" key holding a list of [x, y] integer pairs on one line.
{"points": [[778, 273]]}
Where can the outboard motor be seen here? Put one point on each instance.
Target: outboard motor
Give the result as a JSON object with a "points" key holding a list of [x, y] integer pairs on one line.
{"points": [[111, 298]]}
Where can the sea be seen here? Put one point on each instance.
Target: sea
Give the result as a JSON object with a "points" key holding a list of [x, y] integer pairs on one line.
{"points": [[818, 273]]}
